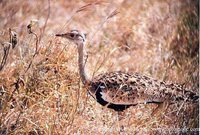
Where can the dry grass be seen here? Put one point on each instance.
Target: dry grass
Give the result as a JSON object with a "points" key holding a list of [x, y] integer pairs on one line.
{"points": [[40, 89]]}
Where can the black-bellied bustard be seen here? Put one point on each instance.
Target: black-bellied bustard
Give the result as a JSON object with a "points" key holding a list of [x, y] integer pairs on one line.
{"points": [[119, 90]]}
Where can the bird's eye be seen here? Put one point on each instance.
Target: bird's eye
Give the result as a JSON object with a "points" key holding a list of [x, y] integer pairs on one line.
{"points": [[72, 35]]}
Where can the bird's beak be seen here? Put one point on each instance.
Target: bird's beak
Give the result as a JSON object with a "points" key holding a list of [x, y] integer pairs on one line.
{"points": [[65, 35], [59, 35]]}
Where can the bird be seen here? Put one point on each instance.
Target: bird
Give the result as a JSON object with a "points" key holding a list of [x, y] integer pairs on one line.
{"points": [[120, 90]]}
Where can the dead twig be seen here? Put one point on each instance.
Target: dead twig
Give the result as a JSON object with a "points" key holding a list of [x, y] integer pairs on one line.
{"points": [[112, 14], [29, 28], [6, 47], [45, 24]]}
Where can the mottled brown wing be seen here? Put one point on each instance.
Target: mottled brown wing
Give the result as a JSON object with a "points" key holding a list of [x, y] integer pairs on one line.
{"points": [[126, 89]]}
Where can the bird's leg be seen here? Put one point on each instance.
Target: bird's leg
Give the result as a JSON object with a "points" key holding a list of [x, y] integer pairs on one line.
{"points": [[120, 118]]}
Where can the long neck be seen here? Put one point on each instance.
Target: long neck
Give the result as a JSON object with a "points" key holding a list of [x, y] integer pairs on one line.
{"points": [[81, 63]]}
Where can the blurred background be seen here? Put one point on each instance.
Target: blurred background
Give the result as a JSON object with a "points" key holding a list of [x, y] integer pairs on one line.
{"points": [[40, 89]]}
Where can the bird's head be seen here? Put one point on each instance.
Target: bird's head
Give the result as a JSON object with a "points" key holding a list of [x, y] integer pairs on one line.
{"points": [[74, 35]]}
